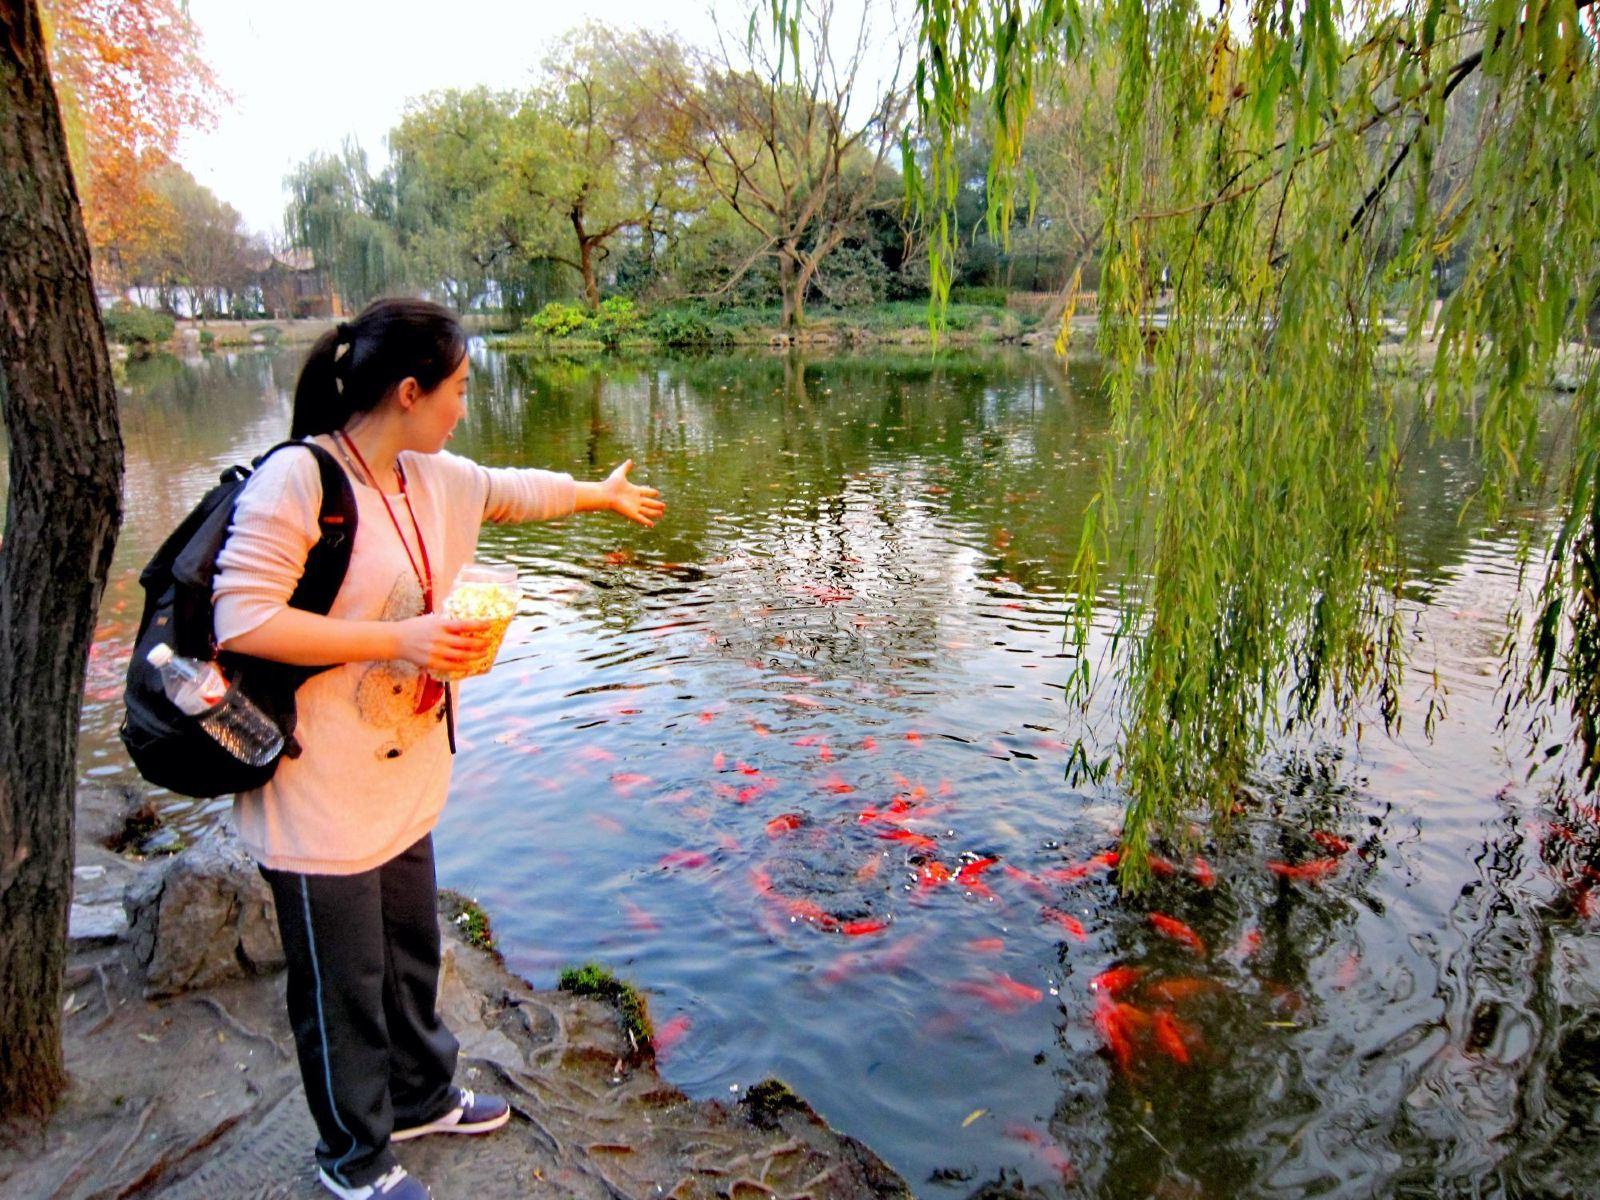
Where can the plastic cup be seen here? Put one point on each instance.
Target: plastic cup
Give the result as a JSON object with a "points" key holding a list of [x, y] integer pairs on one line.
{"points": [[484, 592]]}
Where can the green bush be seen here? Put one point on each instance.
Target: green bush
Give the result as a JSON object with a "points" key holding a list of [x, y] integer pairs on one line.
{"points": [[130, 325], [994, 297], [207, 339], [684, 328], [616, 319], [557, 320]]}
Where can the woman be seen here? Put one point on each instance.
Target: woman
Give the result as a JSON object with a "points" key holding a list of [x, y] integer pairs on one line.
{"points": [[343, 833]]}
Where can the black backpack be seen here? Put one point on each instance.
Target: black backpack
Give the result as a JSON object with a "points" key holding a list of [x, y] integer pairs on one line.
{"points": [[168, 745]]}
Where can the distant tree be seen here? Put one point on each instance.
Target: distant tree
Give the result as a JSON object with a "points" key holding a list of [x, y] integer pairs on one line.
{"points": [[767, 123], [60, 410], [346, 217]]}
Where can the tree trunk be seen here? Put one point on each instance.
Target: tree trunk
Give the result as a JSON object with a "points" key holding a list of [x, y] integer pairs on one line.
{"points": [[791, 319], [60, 411], [591, 289]]}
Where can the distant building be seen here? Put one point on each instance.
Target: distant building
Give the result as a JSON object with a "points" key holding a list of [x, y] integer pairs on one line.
{"points": [[293, 286]]}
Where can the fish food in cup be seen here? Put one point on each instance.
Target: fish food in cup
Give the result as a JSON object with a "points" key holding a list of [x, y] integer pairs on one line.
{"points": [[483, 592]]}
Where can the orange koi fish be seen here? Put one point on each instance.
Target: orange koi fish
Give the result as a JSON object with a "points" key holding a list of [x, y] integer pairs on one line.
{"points": [[1045, 1150], [969, 873], [1067, 921], [718, 761], [1077, 871], [991, 945], [670, 1034], [1203, 874], [1348, 971], [1169, 1036], [807, 910], [802, 701], [728, 842], [863, 927], [1314, 871], [606, 824], [1028, 880], [837, 786], [1114, 980], [914, 738], [1178, 932], [810, 739], [1180, 990], [689, 860], [1001, 992], [933, 874], [869, 869], [915, 840], [639, 918], [707, 717], [625, 781], [1246, 947], [784, 823], [745, 768], [1331, 843], [1162, 868], [1118, 1024], [869, 743], [747, 794], [597, 754]]}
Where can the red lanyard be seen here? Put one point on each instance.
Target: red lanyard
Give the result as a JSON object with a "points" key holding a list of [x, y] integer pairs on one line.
{"points": [[424, 574]]}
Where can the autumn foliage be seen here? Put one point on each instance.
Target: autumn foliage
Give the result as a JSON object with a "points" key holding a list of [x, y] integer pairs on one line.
{"points": [[130, 78]]}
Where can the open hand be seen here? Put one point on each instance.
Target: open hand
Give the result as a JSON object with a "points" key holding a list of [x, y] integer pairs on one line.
{"points": [[640, 504]]}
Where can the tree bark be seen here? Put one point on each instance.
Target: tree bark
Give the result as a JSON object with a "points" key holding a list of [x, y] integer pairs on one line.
{"points": [[790, 320], [591, 289], [60, 412]]}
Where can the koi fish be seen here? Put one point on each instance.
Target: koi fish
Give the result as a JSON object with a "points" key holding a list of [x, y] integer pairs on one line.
{"points": [[1178, 932], [914, 738], [718, 761], [707, 717], [746, 794], [825, 753], [606, 824], [597, 754], [1349, 969], [1314, 871], [1169, 1036], [802, 701], [869, 869], [863, 927], [625, 781], [1162, 868], [670, 1034], [1045, 1150], [745, 768], [933, 874], [869, 744], [1102, 861], [1203, 874], [689, 860], [1245, 948], [1114, 980], [837, 786], [784, 823], [1180, 990], [1067, 921], [1028, 880], [972, 871], [1001, 992], [810, 739], [1331, 843], [987, 945], [1118, 1024], [807, 910], [1583, 902], [639, 918], [911, 839]]}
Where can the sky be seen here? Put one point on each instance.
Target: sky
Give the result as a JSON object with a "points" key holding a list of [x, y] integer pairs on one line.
{"points": [[305, 74]]}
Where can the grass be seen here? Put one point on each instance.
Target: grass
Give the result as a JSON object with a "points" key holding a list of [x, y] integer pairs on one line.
{"points": [[467, 915], [592, 979]]}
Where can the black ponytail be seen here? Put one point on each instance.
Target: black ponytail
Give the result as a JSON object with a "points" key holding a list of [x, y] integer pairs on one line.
{"points": [[354, 366]]}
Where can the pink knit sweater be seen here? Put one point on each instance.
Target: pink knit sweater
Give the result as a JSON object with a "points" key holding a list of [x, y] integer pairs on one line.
{"points": [[374, 772]]}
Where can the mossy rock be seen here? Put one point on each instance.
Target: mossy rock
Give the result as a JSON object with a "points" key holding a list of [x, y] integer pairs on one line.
{"points": [[765, 1104], [591, 979], [468, 916]]}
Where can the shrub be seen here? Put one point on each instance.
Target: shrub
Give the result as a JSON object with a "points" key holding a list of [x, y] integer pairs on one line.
{"points": [[207, 339], [130, 325], [684, 328], [994, 297], [557, 320], [616, 319]]}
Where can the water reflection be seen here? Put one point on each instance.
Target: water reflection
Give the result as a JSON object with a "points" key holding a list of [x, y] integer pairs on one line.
{"points": [[760, 759]]}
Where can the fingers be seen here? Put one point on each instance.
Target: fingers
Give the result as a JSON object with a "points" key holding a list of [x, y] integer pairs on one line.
{"points": [[624, 468]]}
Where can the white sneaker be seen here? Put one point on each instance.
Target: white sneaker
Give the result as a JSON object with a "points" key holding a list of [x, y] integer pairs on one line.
{"points": [[472, 1114], [396, 1185]]}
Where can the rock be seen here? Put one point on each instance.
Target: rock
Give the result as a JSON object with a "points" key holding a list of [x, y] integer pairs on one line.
{"points": [[96, 924], [114, 817], [203, 917]]}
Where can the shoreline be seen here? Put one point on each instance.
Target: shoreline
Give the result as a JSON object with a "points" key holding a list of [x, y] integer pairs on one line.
{"points": [[196, 1094]]}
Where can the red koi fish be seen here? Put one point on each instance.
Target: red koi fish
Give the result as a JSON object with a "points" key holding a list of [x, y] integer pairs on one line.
{"points": [[718, 761], [915, 840], [761, 881], [970, 873], [837, 786], [1246, 947], [1115, 980], [869, 744], [810, 739], [1001, 992], [869, 869], [1028, 880], [933, 874], [1067, 921], [987, 945], [1179, 932], [1348, 972], [1314, 871], [863, 927], [670, 1034], [746, 795], [639, 918], [1077, 871], [745, 768], [689, 860], [807, 910], [1162, 868], [1203, 874], [1331, 843], [1169, 1036], [1180, 990], [1045, 1150], [802, 701], [597, 754], [1583, 902], [707, 717], [784, 823], [914, 738], [607, 824], [626, 781], [1118, 1025]]}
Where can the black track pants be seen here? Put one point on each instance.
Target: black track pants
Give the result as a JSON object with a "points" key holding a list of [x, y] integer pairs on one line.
{"points": [[363, 957]]}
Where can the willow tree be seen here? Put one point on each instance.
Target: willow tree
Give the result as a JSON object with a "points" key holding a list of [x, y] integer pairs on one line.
{"points": [[1289, 179], [345, 215]]}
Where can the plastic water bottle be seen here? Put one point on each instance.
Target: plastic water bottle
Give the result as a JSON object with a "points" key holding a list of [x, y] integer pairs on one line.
{"points": [[236, 724]]}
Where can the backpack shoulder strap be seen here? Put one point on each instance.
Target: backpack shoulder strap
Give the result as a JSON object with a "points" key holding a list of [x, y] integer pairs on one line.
{"points": [[329, 557]]}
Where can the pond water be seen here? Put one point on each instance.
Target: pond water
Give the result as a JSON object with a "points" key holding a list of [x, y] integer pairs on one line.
{"points": [[704, 747]]}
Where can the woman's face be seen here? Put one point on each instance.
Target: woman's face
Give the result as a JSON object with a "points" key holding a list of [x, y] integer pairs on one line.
{"points": [[435, 414]]}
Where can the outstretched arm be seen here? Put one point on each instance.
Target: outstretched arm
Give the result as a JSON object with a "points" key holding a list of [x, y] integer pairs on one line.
{"points": [[640, 504]]}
